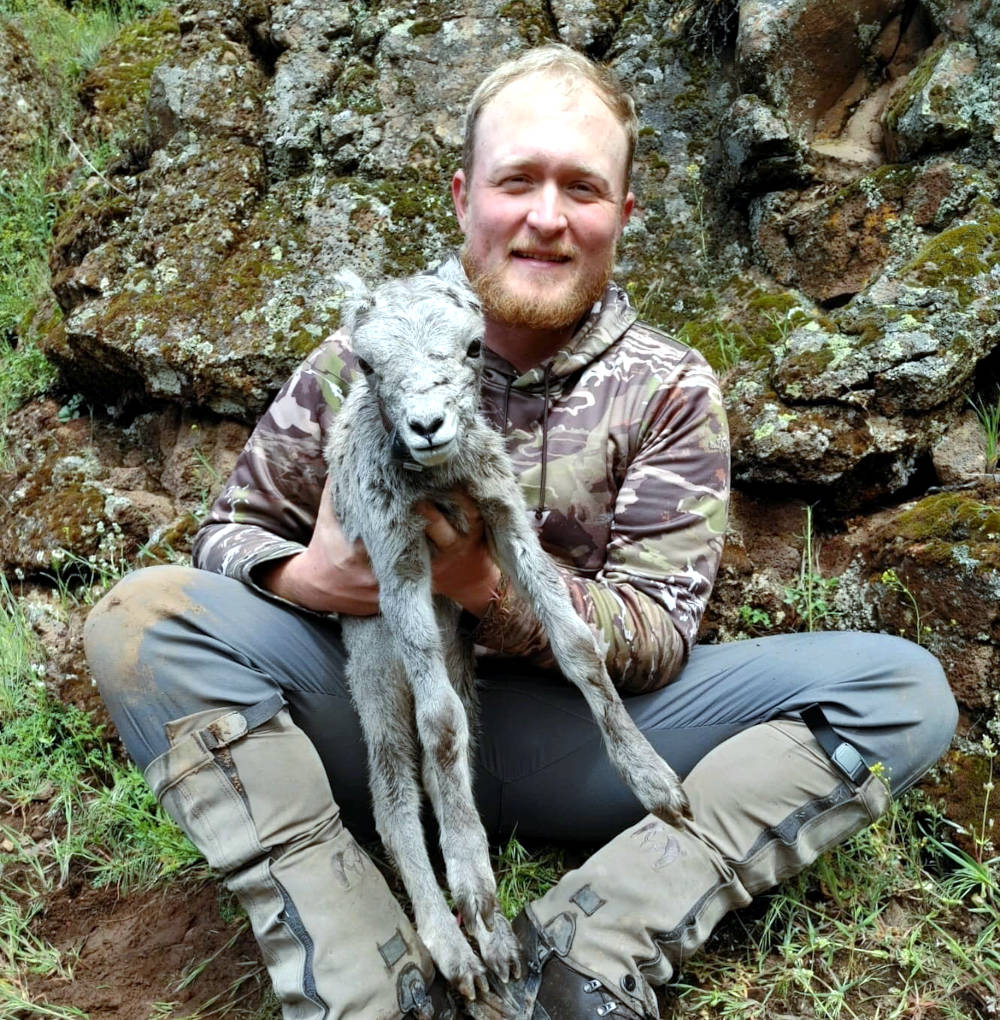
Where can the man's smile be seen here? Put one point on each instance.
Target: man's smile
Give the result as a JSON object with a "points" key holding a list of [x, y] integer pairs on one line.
{"points": [[540, 256]]}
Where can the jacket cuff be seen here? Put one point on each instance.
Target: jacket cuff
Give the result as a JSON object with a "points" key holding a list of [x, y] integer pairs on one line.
{"points": [[510, 627]]}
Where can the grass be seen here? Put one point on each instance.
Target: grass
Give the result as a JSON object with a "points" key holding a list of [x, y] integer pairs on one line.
{"points": [[101, 814], [989, 421], [877, 929]]}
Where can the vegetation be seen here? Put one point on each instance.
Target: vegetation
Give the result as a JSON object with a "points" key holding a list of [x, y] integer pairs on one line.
{"points": [[988, 416], [811, 596], [902, 922]]}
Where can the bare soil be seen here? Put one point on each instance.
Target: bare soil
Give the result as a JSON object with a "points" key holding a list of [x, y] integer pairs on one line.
{"points": [[166, 953]]}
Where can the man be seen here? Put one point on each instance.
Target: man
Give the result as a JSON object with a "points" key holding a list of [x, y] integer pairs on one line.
{"points": [[225, 683]]}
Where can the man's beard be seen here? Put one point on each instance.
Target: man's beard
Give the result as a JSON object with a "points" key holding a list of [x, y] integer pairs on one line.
{"points": [[539, 311]]}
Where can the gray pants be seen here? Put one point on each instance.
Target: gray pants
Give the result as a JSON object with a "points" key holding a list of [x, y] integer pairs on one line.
{"points": [[190, 640], [170, 643]]}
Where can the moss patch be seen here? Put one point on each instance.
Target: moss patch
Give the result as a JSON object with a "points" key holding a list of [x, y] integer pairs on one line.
{"points": [[956, 257], [117, 88], [419, 219], [950, 524]]}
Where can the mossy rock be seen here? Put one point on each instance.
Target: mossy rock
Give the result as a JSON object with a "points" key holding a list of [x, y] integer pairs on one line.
{"points": [[954, 527], [958, 786], [961, 259], [116, 89]]}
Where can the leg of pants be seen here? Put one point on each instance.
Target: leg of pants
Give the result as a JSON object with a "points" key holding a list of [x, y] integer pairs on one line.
{"points": [[172, 642]]}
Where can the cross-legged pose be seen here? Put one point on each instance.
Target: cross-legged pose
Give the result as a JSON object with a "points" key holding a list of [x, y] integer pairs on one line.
{"points": [[226, 681]]}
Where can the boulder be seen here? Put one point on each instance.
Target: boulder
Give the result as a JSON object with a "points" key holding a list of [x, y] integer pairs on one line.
{"points": [[929, 570], [801, 56]]}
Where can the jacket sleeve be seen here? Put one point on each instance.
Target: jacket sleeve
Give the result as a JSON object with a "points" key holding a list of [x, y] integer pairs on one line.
{"points": [[267, 509], [647, 601]]}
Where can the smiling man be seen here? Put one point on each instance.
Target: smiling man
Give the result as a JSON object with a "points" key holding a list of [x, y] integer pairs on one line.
{"points": [[226, 682], [542, 201]]}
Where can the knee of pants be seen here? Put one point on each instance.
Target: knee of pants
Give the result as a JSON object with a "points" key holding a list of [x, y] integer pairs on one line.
{"points": [[117, 626], [930, 735]]}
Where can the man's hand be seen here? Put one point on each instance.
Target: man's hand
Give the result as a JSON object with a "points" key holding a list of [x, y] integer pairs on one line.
{"points": [[332, 575], [461, 565]]}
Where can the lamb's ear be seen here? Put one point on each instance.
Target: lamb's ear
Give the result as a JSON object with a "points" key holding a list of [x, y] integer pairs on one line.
{"points": [[358, 298]]}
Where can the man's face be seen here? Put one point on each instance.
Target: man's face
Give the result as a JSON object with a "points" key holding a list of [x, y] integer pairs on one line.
{"points": [[545, 203]]}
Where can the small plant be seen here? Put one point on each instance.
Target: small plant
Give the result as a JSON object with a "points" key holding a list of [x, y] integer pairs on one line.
{"points": [[989, 420], [755, 619], [894, 583], [811, 597], [787, 321], [697, 187], [730, 348]]}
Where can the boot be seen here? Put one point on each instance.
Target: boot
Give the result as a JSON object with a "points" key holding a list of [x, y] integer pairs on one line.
{"points": [[248, 788], [766, 803]]}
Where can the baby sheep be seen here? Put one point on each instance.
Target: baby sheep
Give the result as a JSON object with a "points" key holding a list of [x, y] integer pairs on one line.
{"points": [[409, 431]]}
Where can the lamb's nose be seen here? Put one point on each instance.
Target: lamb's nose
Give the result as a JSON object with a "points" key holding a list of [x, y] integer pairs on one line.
{"points": [[428, 426]]}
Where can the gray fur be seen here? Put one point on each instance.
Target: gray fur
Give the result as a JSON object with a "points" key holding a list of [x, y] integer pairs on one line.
{"points": [[411, 673]]}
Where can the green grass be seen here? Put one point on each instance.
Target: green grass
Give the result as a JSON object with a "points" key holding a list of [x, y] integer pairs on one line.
{"points": [[876, 929], [102, 816], [811, 595], [66, 40], [988, 416]]}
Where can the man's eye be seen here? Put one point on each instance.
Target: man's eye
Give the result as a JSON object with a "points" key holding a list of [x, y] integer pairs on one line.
{"points": [[365, 367], [475, 349]]}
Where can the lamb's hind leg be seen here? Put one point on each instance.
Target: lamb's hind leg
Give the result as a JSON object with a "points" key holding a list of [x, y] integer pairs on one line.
{"points": [[444, 733], [463, 841], [385, 707], [651, 779]]}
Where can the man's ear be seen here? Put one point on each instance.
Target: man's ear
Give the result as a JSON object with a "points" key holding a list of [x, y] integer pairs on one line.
{"points": [[627, 206], [459, 197]]}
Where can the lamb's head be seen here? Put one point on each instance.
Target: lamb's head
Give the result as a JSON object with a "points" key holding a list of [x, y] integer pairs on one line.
{"points": [[419, 343]]}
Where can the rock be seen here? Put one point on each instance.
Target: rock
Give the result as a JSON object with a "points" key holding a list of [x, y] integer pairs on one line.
{"points": [[115, 91], [931, 572], [761, 559], [759, 148], [831, 246], [959, 456], [29, 107], [801, 56], [588, 25], [931, 111], [89, 498]]}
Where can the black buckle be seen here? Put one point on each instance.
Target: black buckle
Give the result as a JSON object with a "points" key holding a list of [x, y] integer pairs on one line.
{"points": [[844, 755]]}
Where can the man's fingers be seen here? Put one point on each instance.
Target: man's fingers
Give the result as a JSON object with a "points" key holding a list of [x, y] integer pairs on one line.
{"points": [[438, 530]]}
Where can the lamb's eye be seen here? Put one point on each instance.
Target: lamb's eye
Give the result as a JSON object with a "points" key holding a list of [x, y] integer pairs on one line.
{"points": [[475, 349], [365, 367]]}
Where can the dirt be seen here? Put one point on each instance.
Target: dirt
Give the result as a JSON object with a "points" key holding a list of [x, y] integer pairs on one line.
{"points": [[166, 953]]}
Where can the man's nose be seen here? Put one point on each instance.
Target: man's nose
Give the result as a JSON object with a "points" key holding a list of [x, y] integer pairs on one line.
{"points": [[546, 215]]}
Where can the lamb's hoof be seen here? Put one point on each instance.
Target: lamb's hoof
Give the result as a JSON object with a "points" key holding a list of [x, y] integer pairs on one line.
{"points": [[499, 947], [454, 958], [660, 792]]}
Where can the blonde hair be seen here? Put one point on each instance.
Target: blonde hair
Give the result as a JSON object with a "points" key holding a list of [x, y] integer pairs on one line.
{"points": [[566, 66]]}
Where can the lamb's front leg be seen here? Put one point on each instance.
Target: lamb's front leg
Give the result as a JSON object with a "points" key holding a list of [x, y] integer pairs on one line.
{"points": [[574, 646], [444, 733]]}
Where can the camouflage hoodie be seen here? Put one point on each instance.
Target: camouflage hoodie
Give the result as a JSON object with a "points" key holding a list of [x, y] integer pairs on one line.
{"points": [[621, 447]]}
